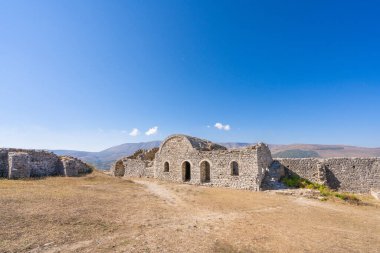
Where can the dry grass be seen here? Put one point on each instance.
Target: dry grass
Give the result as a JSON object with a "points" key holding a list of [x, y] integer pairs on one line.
{"points": [[98, 213]]}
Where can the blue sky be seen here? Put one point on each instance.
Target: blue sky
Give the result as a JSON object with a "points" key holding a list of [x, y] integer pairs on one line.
{"points": [[83, 74]]}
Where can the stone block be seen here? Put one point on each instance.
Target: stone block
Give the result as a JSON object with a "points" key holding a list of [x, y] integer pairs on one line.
{"points": [[19, 165]]}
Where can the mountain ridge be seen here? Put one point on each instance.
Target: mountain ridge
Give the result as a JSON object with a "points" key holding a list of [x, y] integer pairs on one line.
{"points": [[104, 159]]}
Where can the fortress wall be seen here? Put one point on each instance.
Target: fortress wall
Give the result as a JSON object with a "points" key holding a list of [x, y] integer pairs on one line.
{"points": [[118, 169], [44, 164], [3, 163], [134, 167], [264, 160], [149, 170], [19, 163], [358, 175], [353, 174], [72, 167], [303, 167]]}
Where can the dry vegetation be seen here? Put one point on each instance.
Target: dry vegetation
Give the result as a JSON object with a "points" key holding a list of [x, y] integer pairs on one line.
{"points": [[98, 213]]}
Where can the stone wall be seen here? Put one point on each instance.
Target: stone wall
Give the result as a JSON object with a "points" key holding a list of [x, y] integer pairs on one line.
{"points": [[18, 163], [264, 159], [134, 167], [44, 164], [118, 168], [345, 174], [73, 167], [3, 163]]}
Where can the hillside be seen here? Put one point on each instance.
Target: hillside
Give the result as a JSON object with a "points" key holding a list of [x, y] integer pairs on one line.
{"points": [[329, 150], [105, 158]]}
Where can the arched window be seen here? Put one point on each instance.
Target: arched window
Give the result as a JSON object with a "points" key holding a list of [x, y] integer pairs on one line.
{"points": [[205, 172], [234, 168], [166, 167]]}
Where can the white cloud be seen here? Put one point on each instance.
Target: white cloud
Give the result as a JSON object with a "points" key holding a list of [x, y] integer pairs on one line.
{"points": [[134, 132], [152, 131], [220, 126]]}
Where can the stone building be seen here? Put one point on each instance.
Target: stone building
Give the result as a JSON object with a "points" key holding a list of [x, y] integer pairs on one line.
{"points": [[187, 159], [20, 163]]}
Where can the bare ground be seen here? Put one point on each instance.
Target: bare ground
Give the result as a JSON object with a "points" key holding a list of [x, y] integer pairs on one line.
{"points": [[98, 213]]}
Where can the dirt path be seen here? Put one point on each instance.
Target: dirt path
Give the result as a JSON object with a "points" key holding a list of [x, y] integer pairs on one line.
{"points": [[161, 191]]}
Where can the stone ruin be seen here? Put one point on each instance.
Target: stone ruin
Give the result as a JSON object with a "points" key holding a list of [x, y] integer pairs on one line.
{"points": [[191, 160], [182, 158], [20, 163]]}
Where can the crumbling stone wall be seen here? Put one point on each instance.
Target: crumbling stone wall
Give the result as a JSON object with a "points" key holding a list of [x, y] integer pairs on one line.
{"points": [[149, 170], [264, 158], [18, 163], [345, 174], [134, 167], [73, 167], [43, 164], [3, 163], [127, 167], [118, 168]]}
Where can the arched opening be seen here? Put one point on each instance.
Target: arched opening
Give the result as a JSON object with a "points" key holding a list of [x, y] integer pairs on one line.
{"points": [[234, 168], [119, 169], [166, 167], [205, 172], [186, 171]]}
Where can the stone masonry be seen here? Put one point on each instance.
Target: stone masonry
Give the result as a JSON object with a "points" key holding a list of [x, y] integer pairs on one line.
{"points": [[19, 163], [345, 174], [191, 160]]}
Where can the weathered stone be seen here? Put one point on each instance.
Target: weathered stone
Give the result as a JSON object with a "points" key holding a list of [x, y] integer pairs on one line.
{"points": [[344, 174], [19, 163]]}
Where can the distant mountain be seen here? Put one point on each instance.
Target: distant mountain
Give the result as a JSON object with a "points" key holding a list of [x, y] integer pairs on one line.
{"points": [[329, 150], [104, 159], [235, 144], [296, 153]]}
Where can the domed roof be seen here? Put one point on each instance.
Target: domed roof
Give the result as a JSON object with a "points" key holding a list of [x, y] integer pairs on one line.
{"points": [[196, 143]]}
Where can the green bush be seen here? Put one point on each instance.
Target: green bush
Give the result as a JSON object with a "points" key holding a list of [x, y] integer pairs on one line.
{"points": [[299, 182], [145, 155]]}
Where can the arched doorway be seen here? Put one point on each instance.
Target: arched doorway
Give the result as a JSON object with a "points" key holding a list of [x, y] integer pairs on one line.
{"points": [[186, 171], [205, 172], [234, 168]]}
